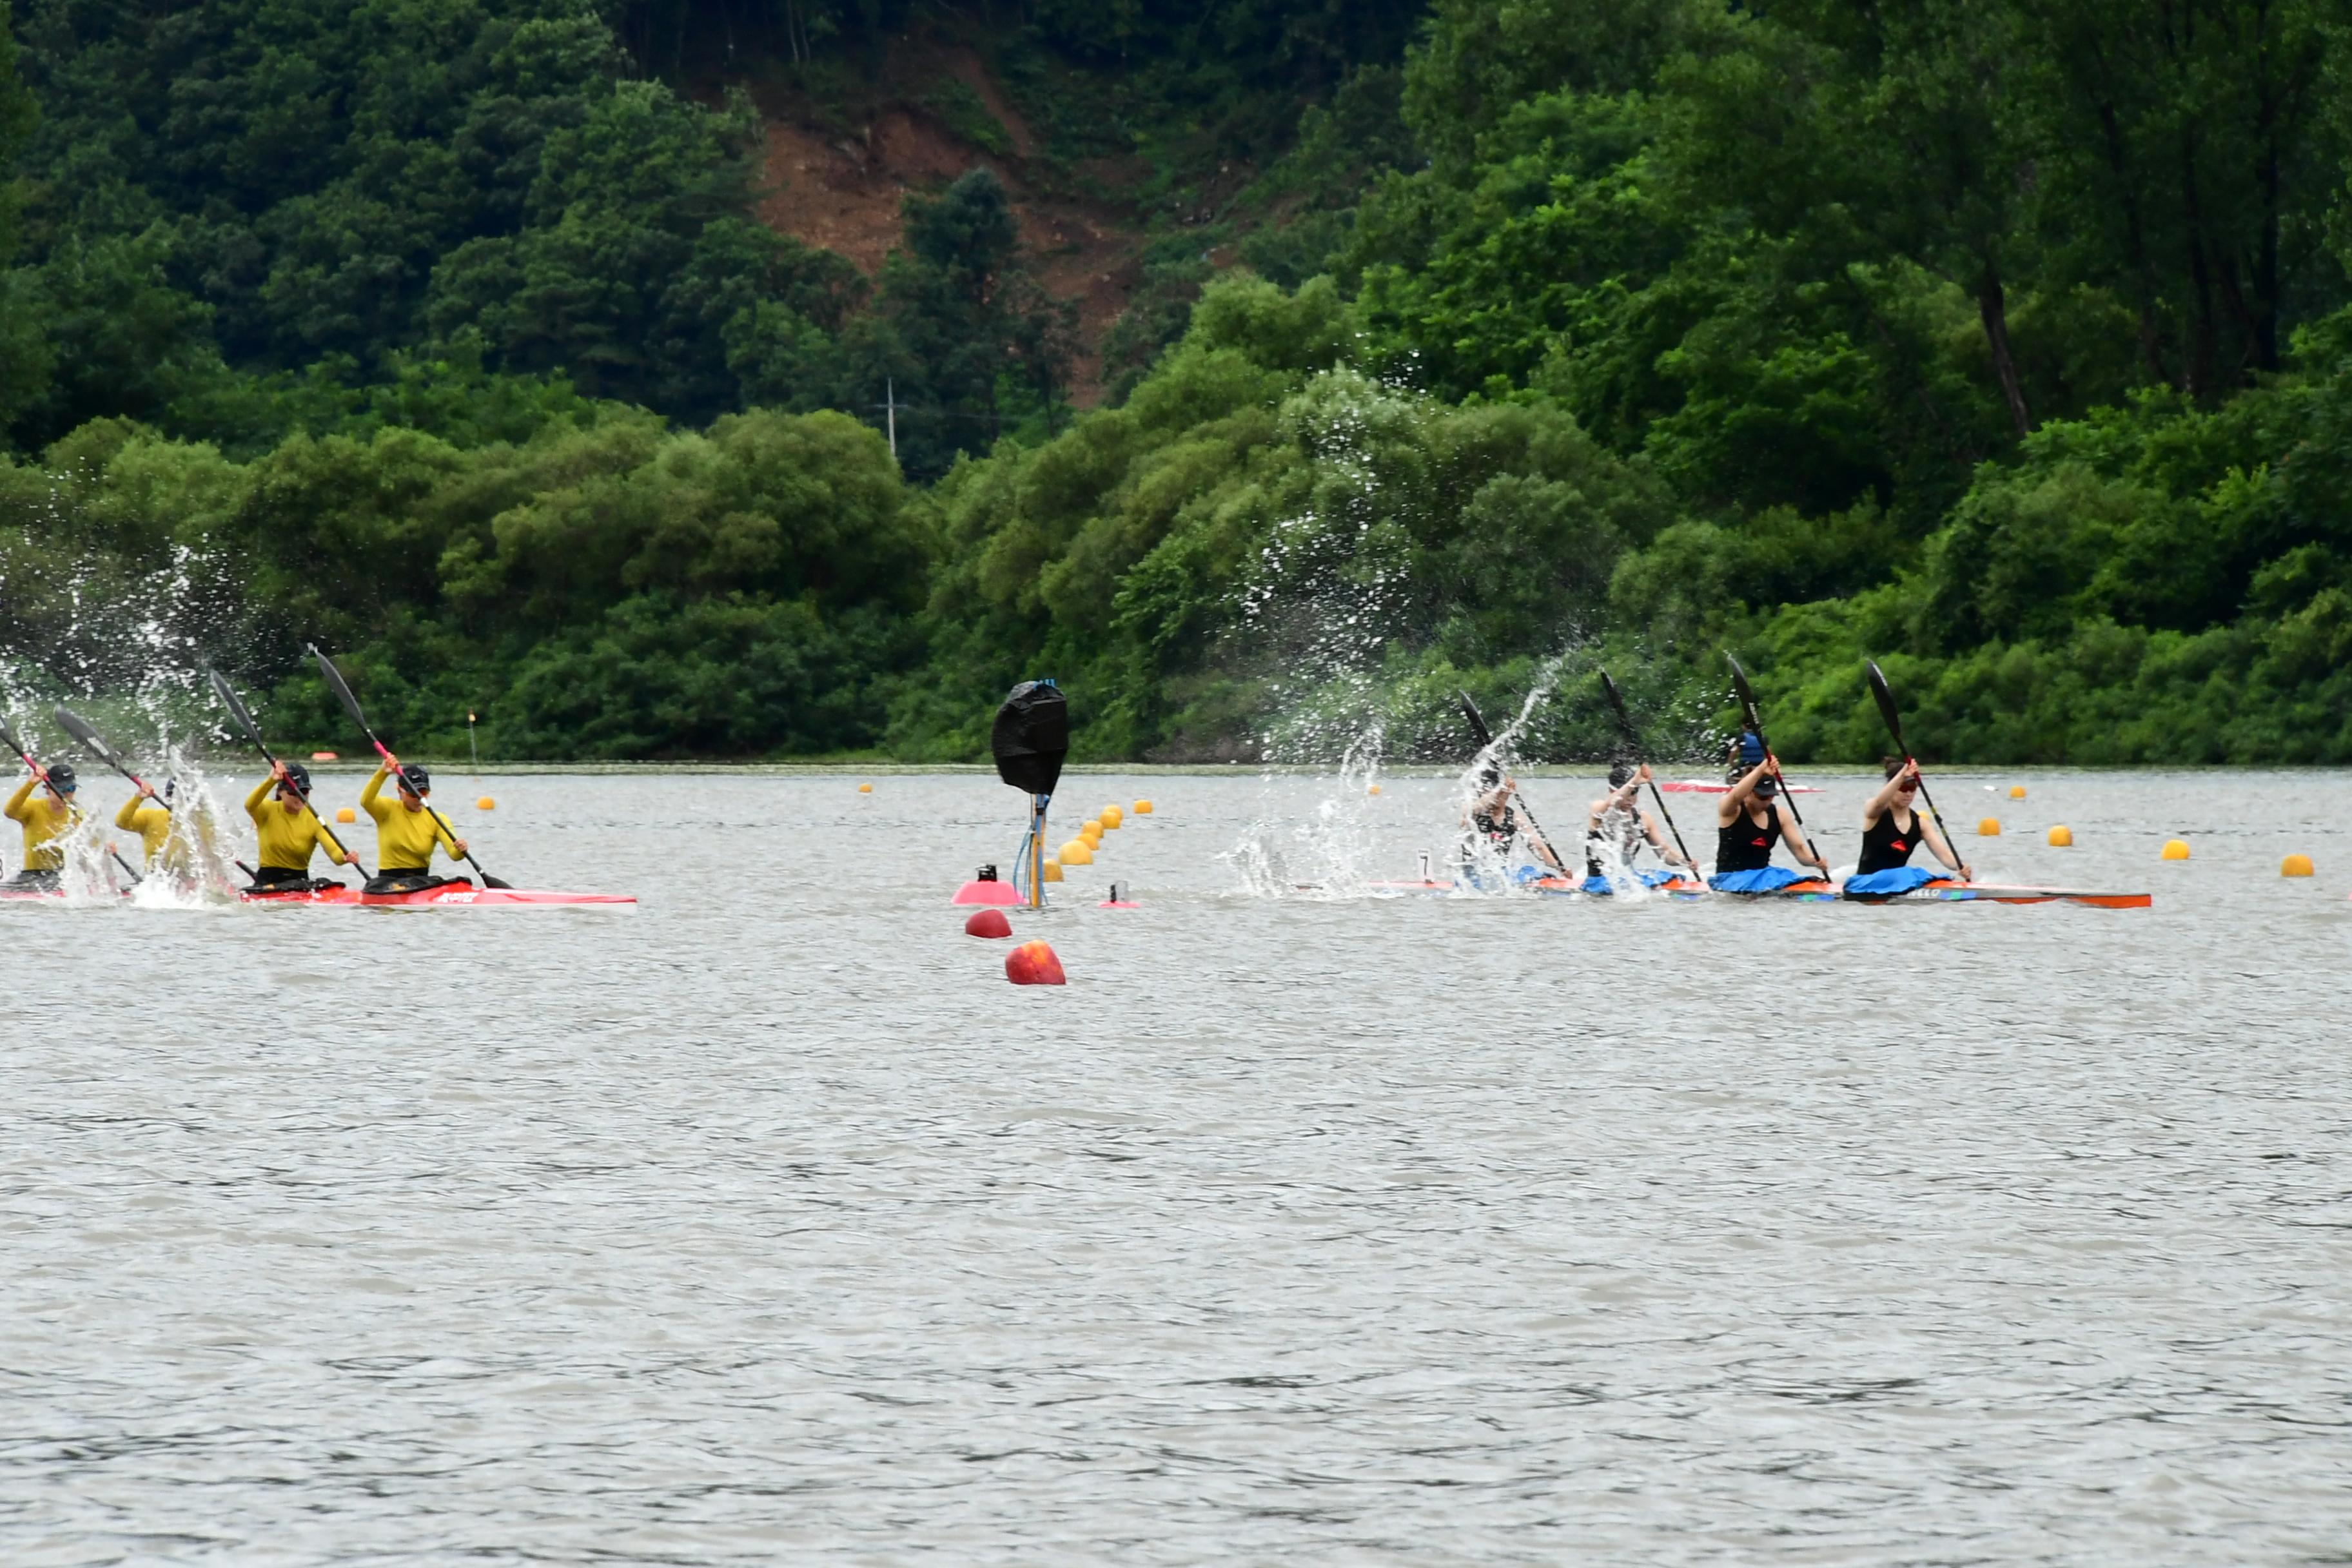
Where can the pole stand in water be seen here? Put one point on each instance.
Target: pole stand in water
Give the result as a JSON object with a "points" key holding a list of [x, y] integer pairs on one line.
{"points": [[1029, 740]]}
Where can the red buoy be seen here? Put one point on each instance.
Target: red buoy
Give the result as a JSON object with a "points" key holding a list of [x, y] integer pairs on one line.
{"points": [[988, 922], [1034, 963]]}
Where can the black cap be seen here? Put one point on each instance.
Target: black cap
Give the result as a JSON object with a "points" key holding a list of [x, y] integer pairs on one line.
{"points": [[298, 777], [61, 776], [412, 776], [1618, 773]]}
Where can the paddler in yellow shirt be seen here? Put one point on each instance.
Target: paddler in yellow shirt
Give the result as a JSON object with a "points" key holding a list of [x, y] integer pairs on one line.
{"points": [[288, 832], [47, 821], [151, 817], [405, 831]]}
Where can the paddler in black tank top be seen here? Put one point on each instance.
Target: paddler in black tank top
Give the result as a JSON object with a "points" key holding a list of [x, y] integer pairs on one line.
{"points": [[1891, 829], [1491, 816], [1617, 819], [1749, 818]]}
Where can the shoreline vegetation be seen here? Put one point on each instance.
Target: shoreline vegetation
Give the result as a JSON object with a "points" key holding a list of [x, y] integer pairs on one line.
{"points": [[1473, 344]]}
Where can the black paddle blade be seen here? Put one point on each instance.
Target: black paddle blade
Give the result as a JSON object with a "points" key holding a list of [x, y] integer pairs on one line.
{"points": [[74, 724], [1746, 698], [9, 738], [1478, 730], [1617, 706], [1031, 736], [335, 683], [1886, 708], [237, 715]]}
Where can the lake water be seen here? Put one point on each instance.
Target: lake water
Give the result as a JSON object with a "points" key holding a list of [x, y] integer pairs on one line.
{"points": [[770, 1224]]}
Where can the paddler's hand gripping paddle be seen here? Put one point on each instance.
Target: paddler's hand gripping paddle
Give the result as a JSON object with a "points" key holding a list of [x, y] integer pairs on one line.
{"points": [[351, 706], [244, 721], [1634, 737], [42, 773], [1887, 712], [1485, 740], [1748, 707]]}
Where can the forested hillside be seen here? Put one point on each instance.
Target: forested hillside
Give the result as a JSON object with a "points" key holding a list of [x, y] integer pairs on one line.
{"points": [[2009, 342]]}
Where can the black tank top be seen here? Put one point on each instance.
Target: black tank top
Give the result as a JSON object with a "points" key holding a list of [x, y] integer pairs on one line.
{"points": [[1745, 846], [1887, 846], [1504, 823], [1622, 827]]}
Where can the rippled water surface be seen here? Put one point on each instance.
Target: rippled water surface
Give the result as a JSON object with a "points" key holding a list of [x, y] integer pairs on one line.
{"points": [[771, 1224]]}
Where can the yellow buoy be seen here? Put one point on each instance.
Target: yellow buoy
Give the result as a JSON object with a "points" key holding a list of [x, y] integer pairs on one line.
{"points": [[866, 789], [2017, 792], [1111, 816], [1052, 871], [1988, 828], [2059, 837], [485, 803], [2175, 849], [2296, 866], [347, 814], [1143, 808], [1077, 852]]}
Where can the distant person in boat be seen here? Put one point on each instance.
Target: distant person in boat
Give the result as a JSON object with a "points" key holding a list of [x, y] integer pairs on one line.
{"points": [[288, 832], [48, 819], [406, 832], [1891, 829], [1749, 818], [1492, 817], [1617, 820]]}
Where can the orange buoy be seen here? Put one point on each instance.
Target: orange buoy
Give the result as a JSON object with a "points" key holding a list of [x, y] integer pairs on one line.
{"points": [[1371, 789], [1111, 816], [2060, 837], [1988, 828], [1077, 852], [866, 789], [485, 803], [1034, 963], [346, 814], [1143, 808], [2296, 866], [323, 756], [2175, 849], [988, 922], [2017, 792]]}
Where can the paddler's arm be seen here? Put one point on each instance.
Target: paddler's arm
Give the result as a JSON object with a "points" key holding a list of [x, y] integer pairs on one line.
{"points": [[1884, 800], [1944, 851], [259, 798], [451, 845], [368, 802], [17, 811], [1666, 852], [1734, 799], [1795, 838], [127, 819]]}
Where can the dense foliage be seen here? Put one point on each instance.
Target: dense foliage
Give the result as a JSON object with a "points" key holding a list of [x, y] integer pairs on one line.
{"points": [[2009, 342]]}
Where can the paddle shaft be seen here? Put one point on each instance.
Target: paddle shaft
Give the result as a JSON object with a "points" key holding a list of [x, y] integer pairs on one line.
{"points": [[1756, 724], [227, 695], [1886, 710], [1625, 723], [1485, 738]]}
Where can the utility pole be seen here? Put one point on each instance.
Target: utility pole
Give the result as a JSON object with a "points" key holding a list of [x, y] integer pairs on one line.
{"points": [[890, 405]]}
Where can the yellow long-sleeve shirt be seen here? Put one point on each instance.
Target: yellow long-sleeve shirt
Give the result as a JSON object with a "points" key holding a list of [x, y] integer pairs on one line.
{"points": [[287, 837], [404, 838], [151, 823], [47, 821]]}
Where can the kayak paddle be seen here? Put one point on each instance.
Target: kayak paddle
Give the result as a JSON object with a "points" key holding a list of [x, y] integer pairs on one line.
{"points": [[42, 773], [1625, 723], [1887, 712], [78, 728], [1747, 706], [351, 706], [1485, 740], [227, 694]]}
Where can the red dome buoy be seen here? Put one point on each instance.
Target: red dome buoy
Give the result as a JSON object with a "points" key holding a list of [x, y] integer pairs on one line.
{"points": [[1034, 963], [985, 889], [988, 922]]}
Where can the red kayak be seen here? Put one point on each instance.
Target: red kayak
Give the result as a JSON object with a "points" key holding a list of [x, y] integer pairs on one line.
{"points": [[452, 895], [1954, 892]]}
